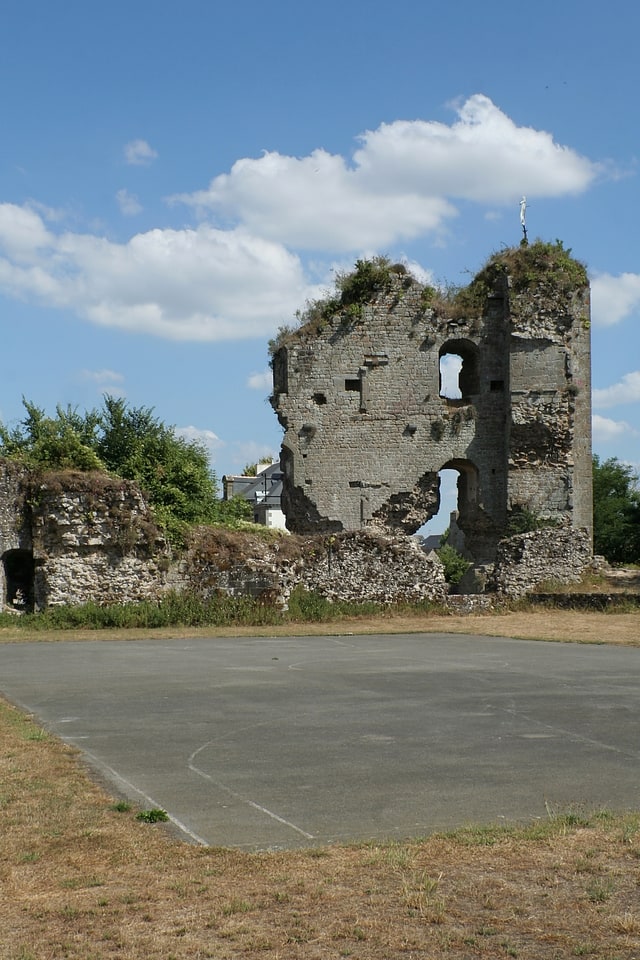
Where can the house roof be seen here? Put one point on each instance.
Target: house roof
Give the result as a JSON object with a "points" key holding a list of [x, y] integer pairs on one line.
{"points": [[265, 487]]}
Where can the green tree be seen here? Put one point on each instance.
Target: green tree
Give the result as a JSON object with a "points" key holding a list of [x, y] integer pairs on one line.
{"points": [[616, 511], [172, 471], [64, 442], [134, 444]]}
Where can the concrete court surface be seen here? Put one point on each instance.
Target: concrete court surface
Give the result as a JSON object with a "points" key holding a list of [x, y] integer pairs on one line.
{"points": [[284, 742]]}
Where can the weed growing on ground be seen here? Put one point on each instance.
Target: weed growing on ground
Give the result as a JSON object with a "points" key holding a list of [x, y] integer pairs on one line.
{"points": [[154, 815]]}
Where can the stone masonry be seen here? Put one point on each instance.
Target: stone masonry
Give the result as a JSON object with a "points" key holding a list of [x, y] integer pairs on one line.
{"points": [[70, 538], [367, 430]]}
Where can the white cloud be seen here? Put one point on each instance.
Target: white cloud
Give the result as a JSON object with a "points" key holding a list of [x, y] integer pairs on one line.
{"points": [[245, 452], [208, 283], [106, 381], [128, 203], [626, 390], [206, 438], [450, 367], [417, 271], [614, 298], [138, 153], [203, 284], [53, 214], [399, 183], [23, 234], [102, 377], [605, 430], [261, 381]]}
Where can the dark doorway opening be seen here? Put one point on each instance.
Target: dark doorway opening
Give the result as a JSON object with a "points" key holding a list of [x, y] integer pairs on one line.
{"points": [[19, 575]]}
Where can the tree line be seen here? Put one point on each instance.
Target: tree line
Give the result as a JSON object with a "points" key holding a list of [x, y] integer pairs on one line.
{"points": [[176, 476], [132, 443]]}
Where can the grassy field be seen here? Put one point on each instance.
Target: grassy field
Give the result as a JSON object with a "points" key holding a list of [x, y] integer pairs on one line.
{"points": [[81, 877]]}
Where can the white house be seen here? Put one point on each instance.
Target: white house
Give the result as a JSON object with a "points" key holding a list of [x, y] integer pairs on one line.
{"points": [[263, 491]]}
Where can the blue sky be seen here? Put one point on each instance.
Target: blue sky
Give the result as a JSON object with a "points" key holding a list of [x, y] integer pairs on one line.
{"points": [[177, 179]]}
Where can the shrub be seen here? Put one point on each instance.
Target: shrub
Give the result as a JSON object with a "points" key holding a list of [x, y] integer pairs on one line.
{"points": [[455, 565]]}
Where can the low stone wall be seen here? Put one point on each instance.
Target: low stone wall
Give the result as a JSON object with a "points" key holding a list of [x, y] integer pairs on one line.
{"points": [[361, 567], [94, 539], [552, 554], [97, 576], [358, 567], [77, 537]]}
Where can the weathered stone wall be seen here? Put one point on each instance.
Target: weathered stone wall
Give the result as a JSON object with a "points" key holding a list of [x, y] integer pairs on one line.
{"points": [[78, 537], [74, 537], [367, 431], [15, 528], [94, 538], [550, 555], [15, 531], [348, 566], [550, 465]]}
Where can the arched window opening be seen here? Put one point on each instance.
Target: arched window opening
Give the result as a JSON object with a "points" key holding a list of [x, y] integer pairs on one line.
{"points": [[450, 367], [458, 500], [18, 575], [459, 376], [436, 527]]}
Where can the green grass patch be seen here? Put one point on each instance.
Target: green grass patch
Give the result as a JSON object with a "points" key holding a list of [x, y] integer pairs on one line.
{"points": [[190, 610]]}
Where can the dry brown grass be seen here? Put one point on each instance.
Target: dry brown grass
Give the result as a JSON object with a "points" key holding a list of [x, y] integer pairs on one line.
{"points": [[532, 624], [81, 880]]}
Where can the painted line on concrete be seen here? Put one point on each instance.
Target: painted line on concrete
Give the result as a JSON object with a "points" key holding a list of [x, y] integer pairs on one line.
{"points": [[129, 788], [237, 796]]}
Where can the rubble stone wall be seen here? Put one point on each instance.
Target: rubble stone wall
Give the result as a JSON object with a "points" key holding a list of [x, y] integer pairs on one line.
{"points": [[550, 555], [90, 537], [354, 566]]}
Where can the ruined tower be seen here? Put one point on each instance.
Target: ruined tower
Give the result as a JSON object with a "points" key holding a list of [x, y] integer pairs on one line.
{"points": [[358, 390]]}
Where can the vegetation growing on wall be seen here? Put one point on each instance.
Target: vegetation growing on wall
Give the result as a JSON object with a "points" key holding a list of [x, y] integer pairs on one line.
{"points": [[130, 443], [527, 266], [352, 290]]}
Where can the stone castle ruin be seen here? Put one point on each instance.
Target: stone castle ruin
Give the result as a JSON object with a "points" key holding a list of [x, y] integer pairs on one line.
{"points": [[358, 389]]}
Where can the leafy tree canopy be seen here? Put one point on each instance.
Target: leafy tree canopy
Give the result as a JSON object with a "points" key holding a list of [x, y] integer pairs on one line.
{"points": [[616, 511], [132, 443]]}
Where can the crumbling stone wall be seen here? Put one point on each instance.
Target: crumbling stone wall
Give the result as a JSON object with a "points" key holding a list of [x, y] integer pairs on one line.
{"points": [[367, 431], [70, 538], [15, 528], [356, 566], [94, 538], [550, 555]]}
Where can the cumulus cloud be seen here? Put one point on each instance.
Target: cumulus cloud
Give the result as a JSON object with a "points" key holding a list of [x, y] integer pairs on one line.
{"points": [[400, 182], [614, 298], [261, 381], [205, 438], [201, 284], [450, 367], [243, 452], [211, 283], [138, 153], [128, 203], [605, 429], [626, 390], [23, 234]]}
